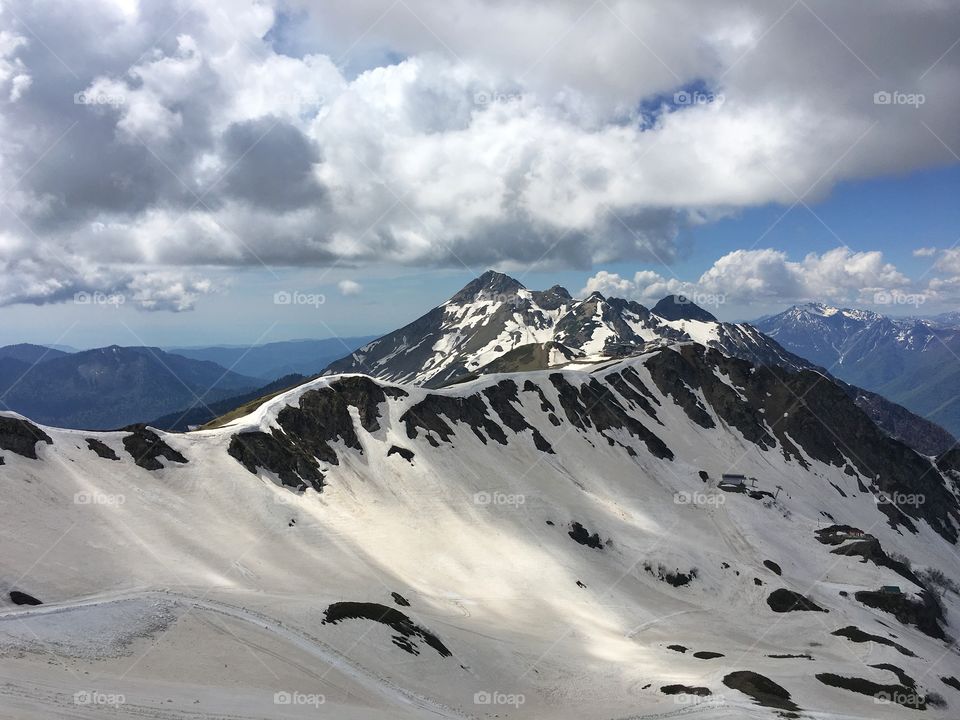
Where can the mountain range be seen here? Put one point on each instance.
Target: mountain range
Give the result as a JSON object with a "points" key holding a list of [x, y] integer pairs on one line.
{"points": [[495, 324], [912, 361], [111, 387], [495, 314], [676, 532]]}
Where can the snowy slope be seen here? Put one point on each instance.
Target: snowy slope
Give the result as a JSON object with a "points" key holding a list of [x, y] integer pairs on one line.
{"points": [[527, 519]]}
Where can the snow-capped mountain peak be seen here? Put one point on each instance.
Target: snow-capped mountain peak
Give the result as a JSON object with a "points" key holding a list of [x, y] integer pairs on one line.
{"points": [[494, 315], [909, 360], [679, 307], [495, 324]]}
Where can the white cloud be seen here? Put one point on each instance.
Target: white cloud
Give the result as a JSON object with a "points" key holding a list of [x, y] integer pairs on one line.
{"points": [[769, 276], [12, 70], [349, 287], [300, 138], [925, 252], [646, 286], [170, 291], [949, 261]]}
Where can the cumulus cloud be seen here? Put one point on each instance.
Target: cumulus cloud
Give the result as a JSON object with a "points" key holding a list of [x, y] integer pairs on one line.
{"points": [[769, 276], [949, 261], [646, 286], [297, 134]]}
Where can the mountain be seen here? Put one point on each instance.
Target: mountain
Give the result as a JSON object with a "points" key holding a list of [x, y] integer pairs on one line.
{"points": [[495, 324], [912, 361], [679, 307], [25, 352], [556, 543], [112, 387], [274, 360], [495, 314], [946, 320]]}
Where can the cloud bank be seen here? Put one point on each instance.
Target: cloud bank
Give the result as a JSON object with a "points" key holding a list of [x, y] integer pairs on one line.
{"points": [[768, 277], [143, 142]]}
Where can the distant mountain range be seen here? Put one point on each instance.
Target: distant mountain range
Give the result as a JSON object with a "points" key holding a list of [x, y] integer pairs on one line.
{"points": [[108, 388], [495, 324], [112, 387], [27, 353], [912, 361]]}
